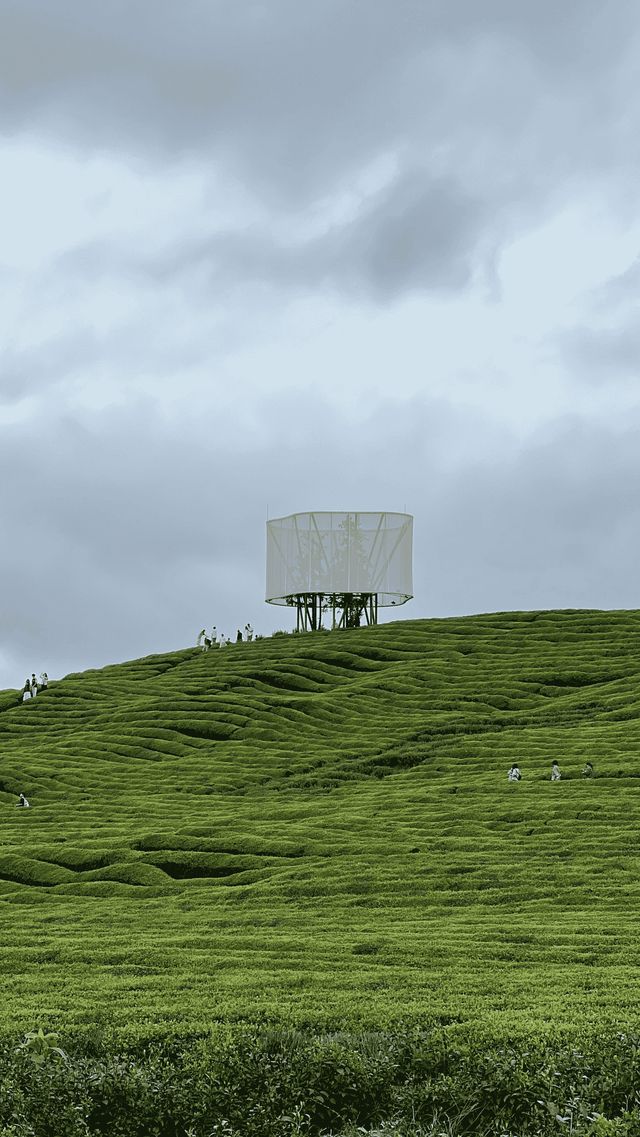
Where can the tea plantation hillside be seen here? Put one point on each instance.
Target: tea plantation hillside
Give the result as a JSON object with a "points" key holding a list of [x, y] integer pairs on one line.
{"points": [[319, 829]]}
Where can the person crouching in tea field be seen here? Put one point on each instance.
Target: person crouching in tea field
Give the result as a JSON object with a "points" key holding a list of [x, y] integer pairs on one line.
{"points": [[514, 774], [555, 772], [23, 803], [587, 771]]}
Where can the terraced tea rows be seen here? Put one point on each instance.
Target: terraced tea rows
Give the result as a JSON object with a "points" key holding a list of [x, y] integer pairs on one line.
{"points": [[319, 827]]}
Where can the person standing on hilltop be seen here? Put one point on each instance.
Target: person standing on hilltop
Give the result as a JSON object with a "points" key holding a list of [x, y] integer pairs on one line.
{"points": [[44, 681], [214, 636], [26, 691], [514, 774], [238, 636], [249, 632], [34, 685], [203, 640]]}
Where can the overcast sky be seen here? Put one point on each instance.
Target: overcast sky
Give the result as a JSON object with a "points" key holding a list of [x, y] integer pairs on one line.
{"points": [[331, 254]]}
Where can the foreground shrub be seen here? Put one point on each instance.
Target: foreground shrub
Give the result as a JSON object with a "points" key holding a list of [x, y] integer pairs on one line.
{"points": [[278, 1082]]}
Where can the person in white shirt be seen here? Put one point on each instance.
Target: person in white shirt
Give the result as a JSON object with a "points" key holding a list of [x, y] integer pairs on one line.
{"points": [[514, 774], [555, 772], [44, 681], [249, 633], [23, 803]]}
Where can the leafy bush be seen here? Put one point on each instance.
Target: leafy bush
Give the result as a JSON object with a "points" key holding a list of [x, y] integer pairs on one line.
{"points": [[279, 1082]]}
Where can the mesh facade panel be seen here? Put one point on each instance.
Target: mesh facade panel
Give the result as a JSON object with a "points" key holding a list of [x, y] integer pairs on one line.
{"points": [[340, 553]]}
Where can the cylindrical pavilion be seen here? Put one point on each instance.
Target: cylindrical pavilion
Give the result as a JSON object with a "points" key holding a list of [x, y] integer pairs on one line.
{"points": [[347, 563]]}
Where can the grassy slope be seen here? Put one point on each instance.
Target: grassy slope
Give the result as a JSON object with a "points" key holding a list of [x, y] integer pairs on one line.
{"points": [[320, 827]]}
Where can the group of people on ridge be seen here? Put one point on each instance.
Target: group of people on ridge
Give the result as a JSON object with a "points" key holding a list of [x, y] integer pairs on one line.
{"points": [[33, 685], [514, 774], [29, 691], [206, 642]]}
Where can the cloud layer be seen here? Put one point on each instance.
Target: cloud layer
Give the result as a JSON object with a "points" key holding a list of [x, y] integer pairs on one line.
{"points": [[297, 256]]}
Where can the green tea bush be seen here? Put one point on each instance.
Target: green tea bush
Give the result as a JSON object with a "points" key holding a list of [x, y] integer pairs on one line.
{"points": [[316, 832], [277, 1082]]}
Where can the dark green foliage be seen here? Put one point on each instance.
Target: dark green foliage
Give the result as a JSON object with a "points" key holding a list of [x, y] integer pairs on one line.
{"points": [[274, 1082]]}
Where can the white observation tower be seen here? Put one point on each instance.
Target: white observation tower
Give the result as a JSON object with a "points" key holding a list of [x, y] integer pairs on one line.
{"points": [[349, 564]]}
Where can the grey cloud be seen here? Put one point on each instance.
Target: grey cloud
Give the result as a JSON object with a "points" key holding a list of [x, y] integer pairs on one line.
{"points": [[294, 97], [621, 288], [26, 372], [422, 234], [602, 355], [555, 525], [606, 349], [493, 114], [82, 353], [125, 529], [419, 233], [124, 532]]}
